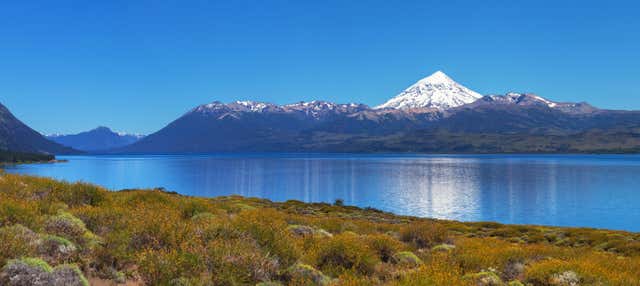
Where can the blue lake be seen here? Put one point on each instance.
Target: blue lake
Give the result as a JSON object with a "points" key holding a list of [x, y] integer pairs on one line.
{"points": [[600, 191]]}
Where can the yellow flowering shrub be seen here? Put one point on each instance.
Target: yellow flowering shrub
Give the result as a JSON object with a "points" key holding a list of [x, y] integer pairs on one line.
{"points": [[152, 237]]}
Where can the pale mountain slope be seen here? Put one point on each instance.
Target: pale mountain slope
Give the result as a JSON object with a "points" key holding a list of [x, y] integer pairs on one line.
{"points": [[436, 91]]}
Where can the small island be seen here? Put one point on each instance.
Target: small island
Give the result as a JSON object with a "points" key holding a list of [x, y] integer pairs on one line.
{"points": [[76, 234]]}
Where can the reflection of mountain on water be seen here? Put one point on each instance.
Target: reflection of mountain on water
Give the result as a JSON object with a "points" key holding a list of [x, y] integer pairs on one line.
{"points": [[440, 187], [309, 179], [436, 188], [597, 191], [516, 190]]}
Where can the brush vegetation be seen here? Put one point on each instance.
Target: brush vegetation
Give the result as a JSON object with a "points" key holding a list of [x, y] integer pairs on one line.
{"points": [[80, 233]]}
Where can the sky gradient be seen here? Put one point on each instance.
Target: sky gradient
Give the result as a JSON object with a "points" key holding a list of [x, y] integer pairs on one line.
{"points": [[69, 66]]}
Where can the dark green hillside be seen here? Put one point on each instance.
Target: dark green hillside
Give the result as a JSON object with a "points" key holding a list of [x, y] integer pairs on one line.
{"points": [[473, 129], [443, 141], [20, 157], [15, 136]]}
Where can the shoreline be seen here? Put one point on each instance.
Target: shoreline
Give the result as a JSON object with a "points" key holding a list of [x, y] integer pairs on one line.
{"points": [[153, 237], [583, 220], [55, 161], [324, 204]]}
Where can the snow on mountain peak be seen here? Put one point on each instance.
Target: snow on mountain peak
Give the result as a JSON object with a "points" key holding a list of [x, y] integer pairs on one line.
{"points": [[437, 91], [437, 77], [254, 105], [529, 99], [520, 98]]}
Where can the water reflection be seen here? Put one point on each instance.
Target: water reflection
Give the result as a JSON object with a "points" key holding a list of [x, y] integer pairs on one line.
{"points": [[597, 191]]}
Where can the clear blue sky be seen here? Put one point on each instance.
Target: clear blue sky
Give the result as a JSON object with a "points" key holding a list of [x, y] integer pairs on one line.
{"points": [[68, 66]]}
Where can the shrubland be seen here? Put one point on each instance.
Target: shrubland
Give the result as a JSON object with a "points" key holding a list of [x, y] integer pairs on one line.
{"points": [[60, 233]]}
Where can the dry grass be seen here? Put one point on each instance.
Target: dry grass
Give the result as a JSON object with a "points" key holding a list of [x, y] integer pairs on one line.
{"points": [[151, 237]]}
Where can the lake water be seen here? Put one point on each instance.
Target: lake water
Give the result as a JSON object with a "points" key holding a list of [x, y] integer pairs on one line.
{"points": [[600, 191]]}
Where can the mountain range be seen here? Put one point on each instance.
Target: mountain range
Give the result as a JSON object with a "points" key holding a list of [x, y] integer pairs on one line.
{"points": [[434, 115], [98, 139], [16, 136]]}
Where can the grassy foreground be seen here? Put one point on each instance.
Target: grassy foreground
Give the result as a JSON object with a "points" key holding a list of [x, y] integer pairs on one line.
{"points": [[76, 234]]}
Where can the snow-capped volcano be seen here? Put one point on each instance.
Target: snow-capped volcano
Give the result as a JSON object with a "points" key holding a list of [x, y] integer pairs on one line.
{"points": [[435, 91]]}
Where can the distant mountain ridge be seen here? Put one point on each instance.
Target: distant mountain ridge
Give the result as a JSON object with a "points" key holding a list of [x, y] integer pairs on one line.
{"points": [[98, 139], [434, 115], [523, 99], [16, 136]]}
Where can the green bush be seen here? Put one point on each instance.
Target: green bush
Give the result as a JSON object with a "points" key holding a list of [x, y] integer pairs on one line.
{"points": [[270, 230], [302, 274], [56, 249], [345, 252], [423, 234], [32, 262], [443, 247], [384, 246], [192, 208], [68, 275], [80, 194], [203, 216], [240, 261], [16, 241], [270, 283], [66, 225], [485, 278], [556, 272], [161, 267], [407, 258], [16, 212], [34, 271]]}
